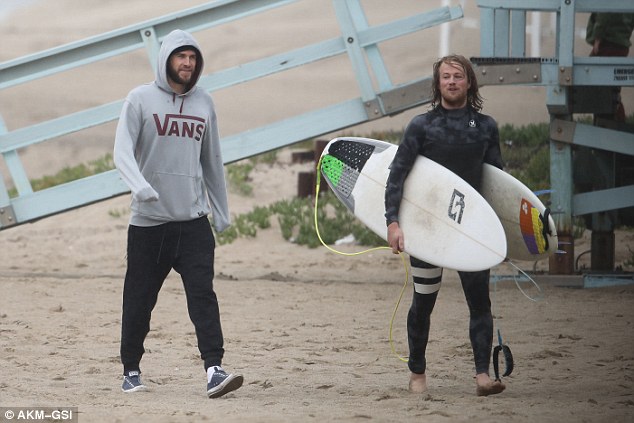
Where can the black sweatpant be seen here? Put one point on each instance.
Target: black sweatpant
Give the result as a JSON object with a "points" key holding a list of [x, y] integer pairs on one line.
{"points": [[188, 248], [476, 289]]}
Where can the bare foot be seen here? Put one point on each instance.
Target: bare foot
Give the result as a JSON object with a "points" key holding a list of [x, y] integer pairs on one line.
{"points": [[417, 383], [485, 386]]}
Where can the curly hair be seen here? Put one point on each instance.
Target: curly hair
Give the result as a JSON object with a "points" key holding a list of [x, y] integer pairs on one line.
{"points": [[473, 94]]}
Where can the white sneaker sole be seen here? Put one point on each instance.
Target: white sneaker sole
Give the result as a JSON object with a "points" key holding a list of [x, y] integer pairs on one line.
{"points": [[135, 389]]}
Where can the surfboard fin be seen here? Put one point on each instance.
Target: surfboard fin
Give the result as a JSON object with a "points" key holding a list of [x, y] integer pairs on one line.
{"points": [[545, 226], [543, 192]]}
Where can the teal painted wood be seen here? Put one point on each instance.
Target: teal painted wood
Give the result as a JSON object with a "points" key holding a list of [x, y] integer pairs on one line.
{"points": [[606, 71], [562, 186], [309, 125], [533, 5], [582, 6], [518, 33], [354, 49], [487, 37], [54, 128], [501, 33], [566, 34], [128, 39], [603, 138], [20, 179], [4, 195], [68, 196], [374, 55], [603, 200]]}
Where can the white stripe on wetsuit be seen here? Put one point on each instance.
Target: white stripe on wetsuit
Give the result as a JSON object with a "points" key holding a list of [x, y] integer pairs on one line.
{"points": [[426, 273]]}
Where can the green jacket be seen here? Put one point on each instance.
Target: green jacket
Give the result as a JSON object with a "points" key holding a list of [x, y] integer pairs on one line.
{"points": [[613, 27]]}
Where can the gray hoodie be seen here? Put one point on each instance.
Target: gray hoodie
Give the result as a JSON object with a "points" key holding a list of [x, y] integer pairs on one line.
{"points": [[167, 148]]}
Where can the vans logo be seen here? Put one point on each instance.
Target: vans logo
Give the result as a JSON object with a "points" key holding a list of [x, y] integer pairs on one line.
{"points": [[456, 206], [182, 126]]}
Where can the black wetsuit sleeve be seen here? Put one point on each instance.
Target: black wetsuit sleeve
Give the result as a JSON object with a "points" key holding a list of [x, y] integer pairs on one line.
{"points": [[493, 154], [403, 162]]}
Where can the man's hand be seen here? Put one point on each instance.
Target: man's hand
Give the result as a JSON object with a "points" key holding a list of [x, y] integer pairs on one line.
{"points": [[147, 194], [395, 237], [595, 47]]}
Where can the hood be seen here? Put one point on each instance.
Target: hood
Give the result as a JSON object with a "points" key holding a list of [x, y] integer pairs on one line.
{"points": [[173, 40]]}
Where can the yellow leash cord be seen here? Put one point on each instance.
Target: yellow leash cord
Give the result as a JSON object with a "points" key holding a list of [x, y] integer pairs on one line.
{"points": [[401, 255]]}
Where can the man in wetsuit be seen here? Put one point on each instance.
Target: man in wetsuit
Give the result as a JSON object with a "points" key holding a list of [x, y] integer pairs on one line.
{"points": [[456, 135]]}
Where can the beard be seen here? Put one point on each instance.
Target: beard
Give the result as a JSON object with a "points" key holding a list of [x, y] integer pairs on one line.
{"points": [[454, 101], [174, 76]]}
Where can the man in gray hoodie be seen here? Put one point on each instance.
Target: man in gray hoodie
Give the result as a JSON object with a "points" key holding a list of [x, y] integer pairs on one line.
{"points": [[167, 150]]}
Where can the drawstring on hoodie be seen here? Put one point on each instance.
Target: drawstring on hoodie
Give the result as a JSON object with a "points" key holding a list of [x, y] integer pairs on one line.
{"points": [[180, 111]]}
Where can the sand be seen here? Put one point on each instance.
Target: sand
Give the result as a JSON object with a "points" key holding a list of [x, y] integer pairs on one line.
{"points": [[309, 329]]}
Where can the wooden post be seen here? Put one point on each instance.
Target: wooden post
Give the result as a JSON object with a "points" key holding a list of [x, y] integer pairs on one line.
{"points": [[306, 180], [305, 184]]}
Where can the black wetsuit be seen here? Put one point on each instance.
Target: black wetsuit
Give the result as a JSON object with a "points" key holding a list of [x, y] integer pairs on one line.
{"points": [[461, 140]]}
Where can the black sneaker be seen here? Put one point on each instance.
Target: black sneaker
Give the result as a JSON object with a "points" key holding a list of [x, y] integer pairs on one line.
{"points": [[220, 383], [132, 382]]}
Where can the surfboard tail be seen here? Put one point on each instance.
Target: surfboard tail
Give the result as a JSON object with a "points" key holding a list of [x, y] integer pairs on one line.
{"points": [[342, 161], [533, 230]]}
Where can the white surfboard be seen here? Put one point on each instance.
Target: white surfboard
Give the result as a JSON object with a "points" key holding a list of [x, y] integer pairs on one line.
{"points": [[531, 233], [446, 222]]}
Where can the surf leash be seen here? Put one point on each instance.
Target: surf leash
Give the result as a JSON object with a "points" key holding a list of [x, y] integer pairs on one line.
{"points": [[317, 188], [506, 351], [398, 302], [508, 358], [501, 346], [539, 296], [357, 253]]}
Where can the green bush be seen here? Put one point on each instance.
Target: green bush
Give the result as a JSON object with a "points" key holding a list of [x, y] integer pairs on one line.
{"points": [[238, 177], [526, 153], [296, 219]]}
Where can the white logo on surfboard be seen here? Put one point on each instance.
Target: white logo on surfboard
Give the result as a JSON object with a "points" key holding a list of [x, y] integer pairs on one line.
{"points": [[456, 206]]}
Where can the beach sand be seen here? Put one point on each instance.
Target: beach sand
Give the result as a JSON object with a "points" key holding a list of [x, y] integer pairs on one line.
{"points": [[309, 329]]}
